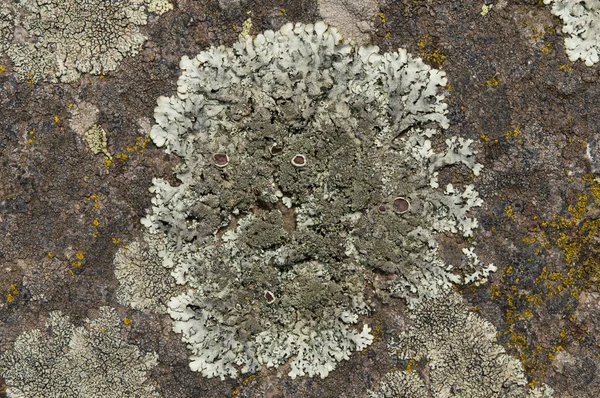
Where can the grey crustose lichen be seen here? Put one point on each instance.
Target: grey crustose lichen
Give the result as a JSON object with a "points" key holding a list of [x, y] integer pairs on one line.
{"points": [[77, 362], [6, 29], [61, 39], [462, 357], [307, 166], [144, 283]]}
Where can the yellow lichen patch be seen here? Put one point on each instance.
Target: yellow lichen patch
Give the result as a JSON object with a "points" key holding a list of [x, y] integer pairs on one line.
{"points": [[116, 241], [566, 67], [514, 135], [31, 136], [246, 28], [378, 329], [96, 200], [76, 264], [127, 321], [50, 255], [107, 162], [382, 17], [494, 291], [236, 391], [12, 292], [122, 156], [80, 256], [485, 9], [2, 69], [574, 234], [97, 141], [428, 53], [56, 119], [508, 210], [139, 145], [546, 48], [411, 365], [493, 82], [248, 379]]}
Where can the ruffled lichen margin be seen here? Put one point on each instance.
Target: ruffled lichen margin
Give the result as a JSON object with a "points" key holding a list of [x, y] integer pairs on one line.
{"points": [[581, 21], [307, 170]]}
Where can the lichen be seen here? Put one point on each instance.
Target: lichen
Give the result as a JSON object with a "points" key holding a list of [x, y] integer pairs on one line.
{"points": [[69, 37], [307, 165], [400, 384], [86, 362], [462, 357], [581, 20], [144, 283], [555, 286], [96, 140], [159, 6], [246, 28], [6, 28]]}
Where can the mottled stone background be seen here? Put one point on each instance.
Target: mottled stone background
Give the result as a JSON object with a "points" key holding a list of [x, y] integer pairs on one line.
{"points": [[511, 88]]}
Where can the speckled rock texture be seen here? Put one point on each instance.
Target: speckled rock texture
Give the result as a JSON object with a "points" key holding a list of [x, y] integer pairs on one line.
{"points": [[65, 212]]}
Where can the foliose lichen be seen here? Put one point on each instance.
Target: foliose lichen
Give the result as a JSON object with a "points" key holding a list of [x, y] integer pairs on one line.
{"points": [[307, 166], [462, 357], [581, 20], [69, 37], [85, 362]]}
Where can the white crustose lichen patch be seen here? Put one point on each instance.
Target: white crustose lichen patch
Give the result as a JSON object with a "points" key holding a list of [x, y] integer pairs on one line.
{"points": [[62, 39], [90, 361], [462, 357]]}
